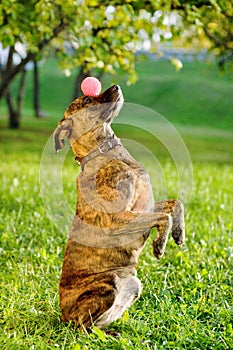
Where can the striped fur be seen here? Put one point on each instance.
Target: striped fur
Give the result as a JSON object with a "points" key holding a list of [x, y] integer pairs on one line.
{"points": [[114, 215]]}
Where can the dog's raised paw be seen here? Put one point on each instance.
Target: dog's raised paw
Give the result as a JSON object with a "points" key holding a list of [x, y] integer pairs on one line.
{"points": [[178, 234], [158, 251]]}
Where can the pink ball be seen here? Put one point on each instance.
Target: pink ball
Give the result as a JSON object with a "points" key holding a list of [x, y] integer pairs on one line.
{"points": [[91, 86]]}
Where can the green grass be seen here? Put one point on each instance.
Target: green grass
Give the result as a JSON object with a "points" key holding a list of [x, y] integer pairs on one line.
{"points": [[186, 301], [187, 297], [198, 95]]}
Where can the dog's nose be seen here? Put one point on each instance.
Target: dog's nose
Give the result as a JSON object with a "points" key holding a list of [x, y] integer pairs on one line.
{"points": [[115, 88]]}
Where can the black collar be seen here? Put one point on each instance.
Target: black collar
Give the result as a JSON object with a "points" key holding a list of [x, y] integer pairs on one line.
{"points": [[102, 149]]}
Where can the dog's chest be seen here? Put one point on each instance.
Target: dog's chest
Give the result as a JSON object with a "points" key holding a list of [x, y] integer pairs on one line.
{"points": [[116, 184]]}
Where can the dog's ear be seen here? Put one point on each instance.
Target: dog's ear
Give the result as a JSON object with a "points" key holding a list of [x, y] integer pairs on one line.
{"points": [[63, 131]]}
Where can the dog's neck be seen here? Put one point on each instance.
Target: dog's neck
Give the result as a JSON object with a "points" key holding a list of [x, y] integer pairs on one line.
{"points": [[91, 140]]}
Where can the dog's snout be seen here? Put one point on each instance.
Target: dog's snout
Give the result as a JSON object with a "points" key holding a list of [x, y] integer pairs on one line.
{"points": [[112, 94]]}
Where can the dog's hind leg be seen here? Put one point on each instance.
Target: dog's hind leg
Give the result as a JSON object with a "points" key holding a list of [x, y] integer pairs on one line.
{"points": [[128, 290], [85, 305], [176, 209]]}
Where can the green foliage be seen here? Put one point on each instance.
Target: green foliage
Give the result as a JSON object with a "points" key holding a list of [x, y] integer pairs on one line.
{"points": [[106, 36], [211, 23], [42, 17], [99, 33], [108, 39]]}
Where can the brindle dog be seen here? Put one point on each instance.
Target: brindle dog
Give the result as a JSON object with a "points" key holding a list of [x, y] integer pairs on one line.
{"points": [[114, 216]]}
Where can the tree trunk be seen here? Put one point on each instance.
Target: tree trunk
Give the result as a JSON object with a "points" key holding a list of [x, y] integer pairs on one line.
{"points": [[14, 120], [21, 91], [81, 75], [15, 111], [9, 74], [14, 116], [36, 103]]}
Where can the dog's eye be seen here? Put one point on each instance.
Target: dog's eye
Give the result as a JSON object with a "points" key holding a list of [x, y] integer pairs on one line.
{"points": [[88, 100]]}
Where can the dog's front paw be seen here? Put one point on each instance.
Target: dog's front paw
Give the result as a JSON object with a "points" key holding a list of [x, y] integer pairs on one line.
{"points": [[178, 233], [158, 249]]}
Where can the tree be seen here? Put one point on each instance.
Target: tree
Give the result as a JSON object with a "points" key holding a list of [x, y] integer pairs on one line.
{"points": [[102, 37], [95, 35], [34, 32], [208, 24]]}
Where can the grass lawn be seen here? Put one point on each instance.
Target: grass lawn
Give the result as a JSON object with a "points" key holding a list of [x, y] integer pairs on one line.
{"points": [[187, 300]]}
